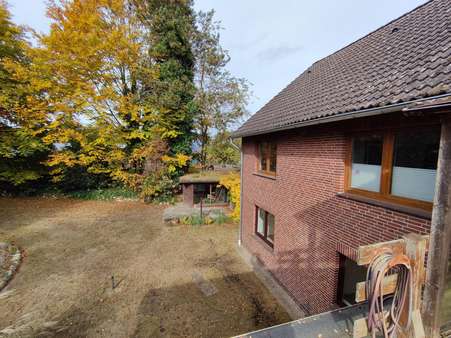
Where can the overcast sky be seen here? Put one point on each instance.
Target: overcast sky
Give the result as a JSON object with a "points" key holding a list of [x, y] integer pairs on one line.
{"points": [[272, 41]]}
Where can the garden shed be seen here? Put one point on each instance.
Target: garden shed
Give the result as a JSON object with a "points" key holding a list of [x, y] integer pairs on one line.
{"points": [[204, 186]]}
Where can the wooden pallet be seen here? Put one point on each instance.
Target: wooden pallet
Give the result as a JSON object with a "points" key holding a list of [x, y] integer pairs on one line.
{"points": [[414, 247]]}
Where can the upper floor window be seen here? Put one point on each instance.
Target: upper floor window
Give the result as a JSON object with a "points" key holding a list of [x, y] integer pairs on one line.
{"points": [[267, 157], [397, 166]]}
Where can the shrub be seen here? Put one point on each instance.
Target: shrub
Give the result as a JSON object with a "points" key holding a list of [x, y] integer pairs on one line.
{"points": [[197, 220], [106, 194], [221, 218], [232, 183], [159, 187]]}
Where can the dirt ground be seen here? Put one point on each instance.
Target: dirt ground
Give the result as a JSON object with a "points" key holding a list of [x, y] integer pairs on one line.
{"points": [[73, 248]]}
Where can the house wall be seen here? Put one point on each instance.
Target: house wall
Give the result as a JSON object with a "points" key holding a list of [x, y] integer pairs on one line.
{"points": [[313, 223]]}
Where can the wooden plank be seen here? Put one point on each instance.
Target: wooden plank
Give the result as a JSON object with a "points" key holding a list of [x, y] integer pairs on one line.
{"points": [[416, 251], [389, 288], [360, 329], [417, 325], [365, 253]]}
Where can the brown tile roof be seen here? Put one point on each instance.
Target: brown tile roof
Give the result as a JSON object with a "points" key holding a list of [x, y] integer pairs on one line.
{"points": [[407, 59]]}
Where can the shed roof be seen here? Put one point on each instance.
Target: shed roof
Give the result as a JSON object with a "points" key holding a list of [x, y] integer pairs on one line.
{"points": [[405, 60], [203, 177]]}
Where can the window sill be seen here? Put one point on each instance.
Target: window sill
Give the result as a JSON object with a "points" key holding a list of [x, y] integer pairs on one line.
{"points": [[388, 205], [265, 244], [272, 177]]}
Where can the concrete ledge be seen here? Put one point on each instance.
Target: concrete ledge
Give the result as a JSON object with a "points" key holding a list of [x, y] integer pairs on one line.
{"points": [[282, 296]]}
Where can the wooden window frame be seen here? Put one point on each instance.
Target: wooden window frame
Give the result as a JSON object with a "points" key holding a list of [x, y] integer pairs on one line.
{"points": [[267, 156], [384, 194], [265, 226]]}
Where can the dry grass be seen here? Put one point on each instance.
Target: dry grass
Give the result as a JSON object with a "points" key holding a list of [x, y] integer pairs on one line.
{"points": [[63, 288]]}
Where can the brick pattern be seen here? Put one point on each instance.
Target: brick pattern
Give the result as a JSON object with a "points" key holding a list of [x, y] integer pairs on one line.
{"points": [[313, 224]]}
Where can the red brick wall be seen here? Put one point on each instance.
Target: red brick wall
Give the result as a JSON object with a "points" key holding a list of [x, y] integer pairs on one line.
{"points": [[313, 224]]}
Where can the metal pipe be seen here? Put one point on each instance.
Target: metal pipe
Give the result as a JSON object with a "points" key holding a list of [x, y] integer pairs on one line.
{"points": [[240, 231], [440, 238], [237, 147]]}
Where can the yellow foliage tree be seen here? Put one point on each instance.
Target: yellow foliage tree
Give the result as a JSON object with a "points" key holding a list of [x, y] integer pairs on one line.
{"points": [[82, 82], [21, 146], [85, 82], [232, 183]]}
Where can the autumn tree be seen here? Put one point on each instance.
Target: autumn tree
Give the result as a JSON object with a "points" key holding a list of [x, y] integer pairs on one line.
{"points": [[220, 97], [21, 148], [116, 89], [86, 78], [90, 81]]}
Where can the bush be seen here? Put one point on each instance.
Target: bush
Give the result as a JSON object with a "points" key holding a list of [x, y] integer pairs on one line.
{"points": [[159, 187], [197, 220], [106, 194], [221, 218]]}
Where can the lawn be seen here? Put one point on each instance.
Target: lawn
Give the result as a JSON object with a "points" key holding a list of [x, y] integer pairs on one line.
{"points": [[73, 248]]}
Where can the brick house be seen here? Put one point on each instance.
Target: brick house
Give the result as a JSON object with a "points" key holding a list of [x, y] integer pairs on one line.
{"points": [[346, 155]]}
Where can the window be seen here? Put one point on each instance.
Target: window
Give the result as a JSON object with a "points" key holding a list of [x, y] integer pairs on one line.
{"points": [[267, 154], [415, 165], [366, 162], [264, 226], [396, 166]]}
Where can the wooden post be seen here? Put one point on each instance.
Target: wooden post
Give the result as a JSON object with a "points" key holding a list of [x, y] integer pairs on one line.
{"points": [[416, 251], [440, 236]]}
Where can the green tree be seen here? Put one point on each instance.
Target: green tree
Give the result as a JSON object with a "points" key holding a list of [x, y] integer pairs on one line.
{"points": [[220, 98], [220, 150], [170, 27]]}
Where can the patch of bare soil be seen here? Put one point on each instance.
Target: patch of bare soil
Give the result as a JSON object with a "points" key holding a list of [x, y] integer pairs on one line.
{"points": [[73, 248]]}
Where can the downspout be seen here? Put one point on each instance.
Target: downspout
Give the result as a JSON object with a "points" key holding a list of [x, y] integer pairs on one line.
{"points": [[240, 149], [440, 237]]}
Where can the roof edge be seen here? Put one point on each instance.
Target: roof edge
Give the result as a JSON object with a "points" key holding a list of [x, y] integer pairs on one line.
{"points": [[341, 117]]}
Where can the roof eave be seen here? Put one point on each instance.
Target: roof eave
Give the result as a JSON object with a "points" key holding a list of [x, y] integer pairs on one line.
{"points": [[397, 107]]}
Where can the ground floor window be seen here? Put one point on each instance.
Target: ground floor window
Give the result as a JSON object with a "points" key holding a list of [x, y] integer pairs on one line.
{"points": [[264, 226], [349, 275]]}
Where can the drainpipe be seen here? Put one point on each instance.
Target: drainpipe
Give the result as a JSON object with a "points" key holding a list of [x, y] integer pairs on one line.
{"points": [[241, 189], [440, 238]]}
